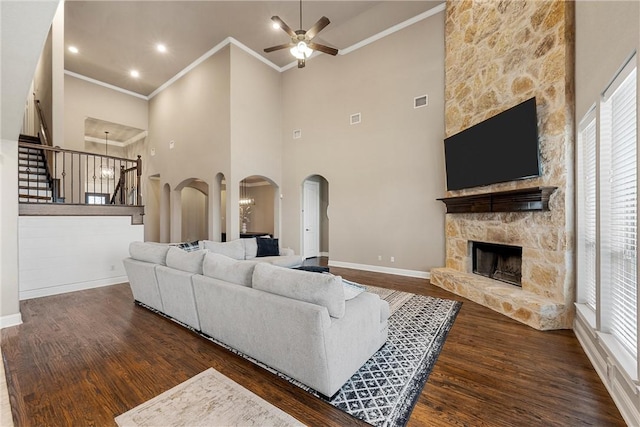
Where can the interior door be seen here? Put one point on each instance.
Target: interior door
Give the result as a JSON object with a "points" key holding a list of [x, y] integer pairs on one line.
{"points": [[311, 219]]}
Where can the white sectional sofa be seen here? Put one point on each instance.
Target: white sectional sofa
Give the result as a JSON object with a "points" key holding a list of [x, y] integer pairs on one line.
{"points": [[297, 322], [247, 249]]}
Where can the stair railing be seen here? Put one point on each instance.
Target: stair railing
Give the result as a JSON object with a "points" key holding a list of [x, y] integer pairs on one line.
{"points": [[78, 177], [128, 185]]}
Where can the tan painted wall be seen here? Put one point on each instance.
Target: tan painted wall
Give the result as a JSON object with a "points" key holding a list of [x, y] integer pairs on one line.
{"points": [[23, 30], [384, 174], [194, 113], [42, 82], [83, 99], [255, 117]]}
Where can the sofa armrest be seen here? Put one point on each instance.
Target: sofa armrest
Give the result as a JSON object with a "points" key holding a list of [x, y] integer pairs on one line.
{"points": [[354, 338]]}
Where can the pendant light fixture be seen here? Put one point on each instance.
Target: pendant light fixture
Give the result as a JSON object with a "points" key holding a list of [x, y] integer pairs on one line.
{"points": [[106, 171]]}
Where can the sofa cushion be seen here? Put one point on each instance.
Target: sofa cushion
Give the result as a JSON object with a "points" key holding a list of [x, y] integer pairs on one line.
{"points": [[250, 248], [222, 267], [320, 289], [150, 252], [190, 262], [233, 249], [267, 247]]}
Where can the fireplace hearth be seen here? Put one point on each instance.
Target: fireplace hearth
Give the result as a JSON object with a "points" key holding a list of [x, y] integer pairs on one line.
{"points": [[499, 262]]}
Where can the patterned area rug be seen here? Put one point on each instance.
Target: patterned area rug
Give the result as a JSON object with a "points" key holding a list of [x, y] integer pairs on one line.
{"points": [[385, 389], [207, 399]]}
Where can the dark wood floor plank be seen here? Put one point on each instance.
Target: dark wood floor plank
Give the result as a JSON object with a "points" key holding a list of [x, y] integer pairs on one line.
{"points": [[85, 357]]}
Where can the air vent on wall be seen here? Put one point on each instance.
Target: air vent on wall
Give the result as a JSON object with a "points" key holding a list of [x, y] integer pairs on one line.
{"points": [[355, 119], [420, 101]]}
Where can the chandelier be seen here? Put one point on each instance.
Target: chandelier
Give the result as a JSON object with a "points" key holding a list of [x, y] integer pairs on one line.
{"points": [[245, 200], [106, 171]]}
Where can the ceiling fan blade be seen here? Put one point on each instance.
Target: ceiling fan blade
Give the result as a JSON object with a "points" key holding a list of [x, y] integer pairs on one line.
{"points": [[301, 63], [323, 48], [317, 27], [280, 46], [283, 25]]}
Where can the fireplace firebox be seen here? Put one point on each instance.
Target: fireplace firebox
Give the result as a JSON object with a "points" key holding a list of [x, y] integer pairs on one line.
{"points": [[499, 262]]}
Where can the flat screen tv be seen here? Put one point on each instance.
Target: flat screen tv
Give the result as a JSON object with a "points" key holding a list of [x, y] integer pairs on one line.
{"points": [[500, 149]]}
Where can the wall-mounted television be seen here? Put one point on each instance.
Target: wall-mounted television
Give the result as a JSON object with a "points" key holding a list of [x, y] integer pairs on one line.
{"points": [[502, 148]]}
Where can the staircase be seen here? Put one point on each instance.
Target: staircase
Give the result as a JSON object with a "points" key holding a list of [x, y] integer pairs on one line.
{"points": [[34, 182]]}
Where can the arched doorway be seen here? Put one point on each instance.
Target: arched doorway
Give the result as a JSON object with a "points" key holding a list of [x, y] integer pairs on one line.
{"points": [[194, 209], [258, 208]]}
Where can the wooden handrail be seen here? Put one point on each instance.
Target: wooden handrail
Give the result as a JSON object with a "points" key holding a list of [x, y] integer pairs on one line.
{"points": [[77, 175], [46, 137]]}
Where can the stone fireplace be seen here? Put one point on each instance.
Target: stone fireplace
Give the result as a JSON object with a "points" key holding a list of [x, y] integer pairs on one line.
{"points": [[497, 54]]}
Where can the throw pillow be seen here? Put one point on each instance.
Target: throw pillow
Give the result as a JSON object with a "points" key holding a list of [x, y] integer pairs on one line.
{"points": [[189, 246], [351, 289], [267, 247], [233, 249], [190, 262]]}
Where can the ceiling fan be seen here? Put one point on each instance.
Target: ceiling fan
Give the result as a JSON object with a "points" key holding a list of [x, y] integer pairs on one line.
{"points": [[301, 45]]}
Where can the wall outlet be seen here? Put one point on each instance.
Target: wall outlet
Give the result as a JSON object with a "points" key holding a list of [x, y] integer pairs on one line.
{"points": [[172, 144], [379, 257], [393, 259]]}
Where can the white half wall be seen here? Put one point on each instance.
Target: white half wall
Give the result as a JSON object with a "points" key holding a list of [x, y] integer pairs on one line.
{"points": [[64, 254]]}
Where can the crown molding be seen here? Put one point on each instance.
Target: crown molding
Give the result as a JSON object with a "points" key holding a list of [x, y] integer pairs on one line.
{"points": [[230, 40], [107, 85]]}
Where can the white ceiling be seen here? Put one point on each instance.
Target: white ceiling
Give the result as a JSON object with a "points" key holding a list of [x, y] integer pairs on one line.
{"points": [[116, 36]]}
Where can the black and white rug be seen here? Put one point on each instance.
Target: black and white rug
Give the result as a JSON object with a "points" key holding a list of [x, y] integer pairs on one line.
{"points": [[385, 389]]}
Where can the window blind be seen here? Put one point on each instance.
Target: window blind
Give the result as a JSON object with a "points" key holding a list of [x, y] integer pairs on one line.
{"points": [[619, 136], [586, 185]]}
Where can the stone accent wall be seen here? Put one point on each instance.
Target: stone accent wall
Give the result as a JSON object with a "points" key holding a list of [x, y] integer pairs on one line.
{"points": [[500, 53]]}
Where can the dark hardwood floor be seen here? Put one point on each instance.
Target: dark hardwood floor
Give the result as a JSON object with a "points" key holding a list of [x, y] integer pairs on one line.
{"points": [[85, 357]]}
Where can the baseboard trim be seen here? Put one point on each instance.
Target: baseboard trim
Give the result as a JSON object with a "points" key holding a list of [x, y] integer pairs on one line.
{"points": [[10, 320], [381, 269], [73, 287], [325, 254]]}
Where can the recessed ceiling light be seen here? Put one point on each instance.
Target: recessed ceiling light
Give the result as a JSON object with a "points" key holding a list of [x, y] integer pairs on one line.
{"points": [[161, 48], [134, 73], [73, 49]]}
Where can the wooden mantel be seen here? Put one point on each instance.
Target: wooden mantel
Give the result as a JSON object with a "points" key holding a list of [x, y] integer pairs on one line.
{"points": [[521, 200]]}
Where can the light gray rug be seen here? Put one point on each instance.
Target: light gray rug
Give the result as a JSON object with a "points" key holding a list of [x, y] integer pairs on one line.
{"points": [[208, 399]]}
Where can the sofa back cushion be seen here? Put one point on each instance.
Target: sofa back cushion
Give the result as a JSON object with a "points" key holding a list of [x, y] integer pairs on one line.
{"points": [[317, 288], [233, 249], [155, 253], [190, 262], [222, 267]]}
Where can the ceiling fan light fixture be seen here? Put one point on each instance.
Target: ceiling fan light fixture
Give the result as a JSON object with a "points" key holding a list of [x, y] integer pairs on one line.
{"points": [[301, 51]]}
